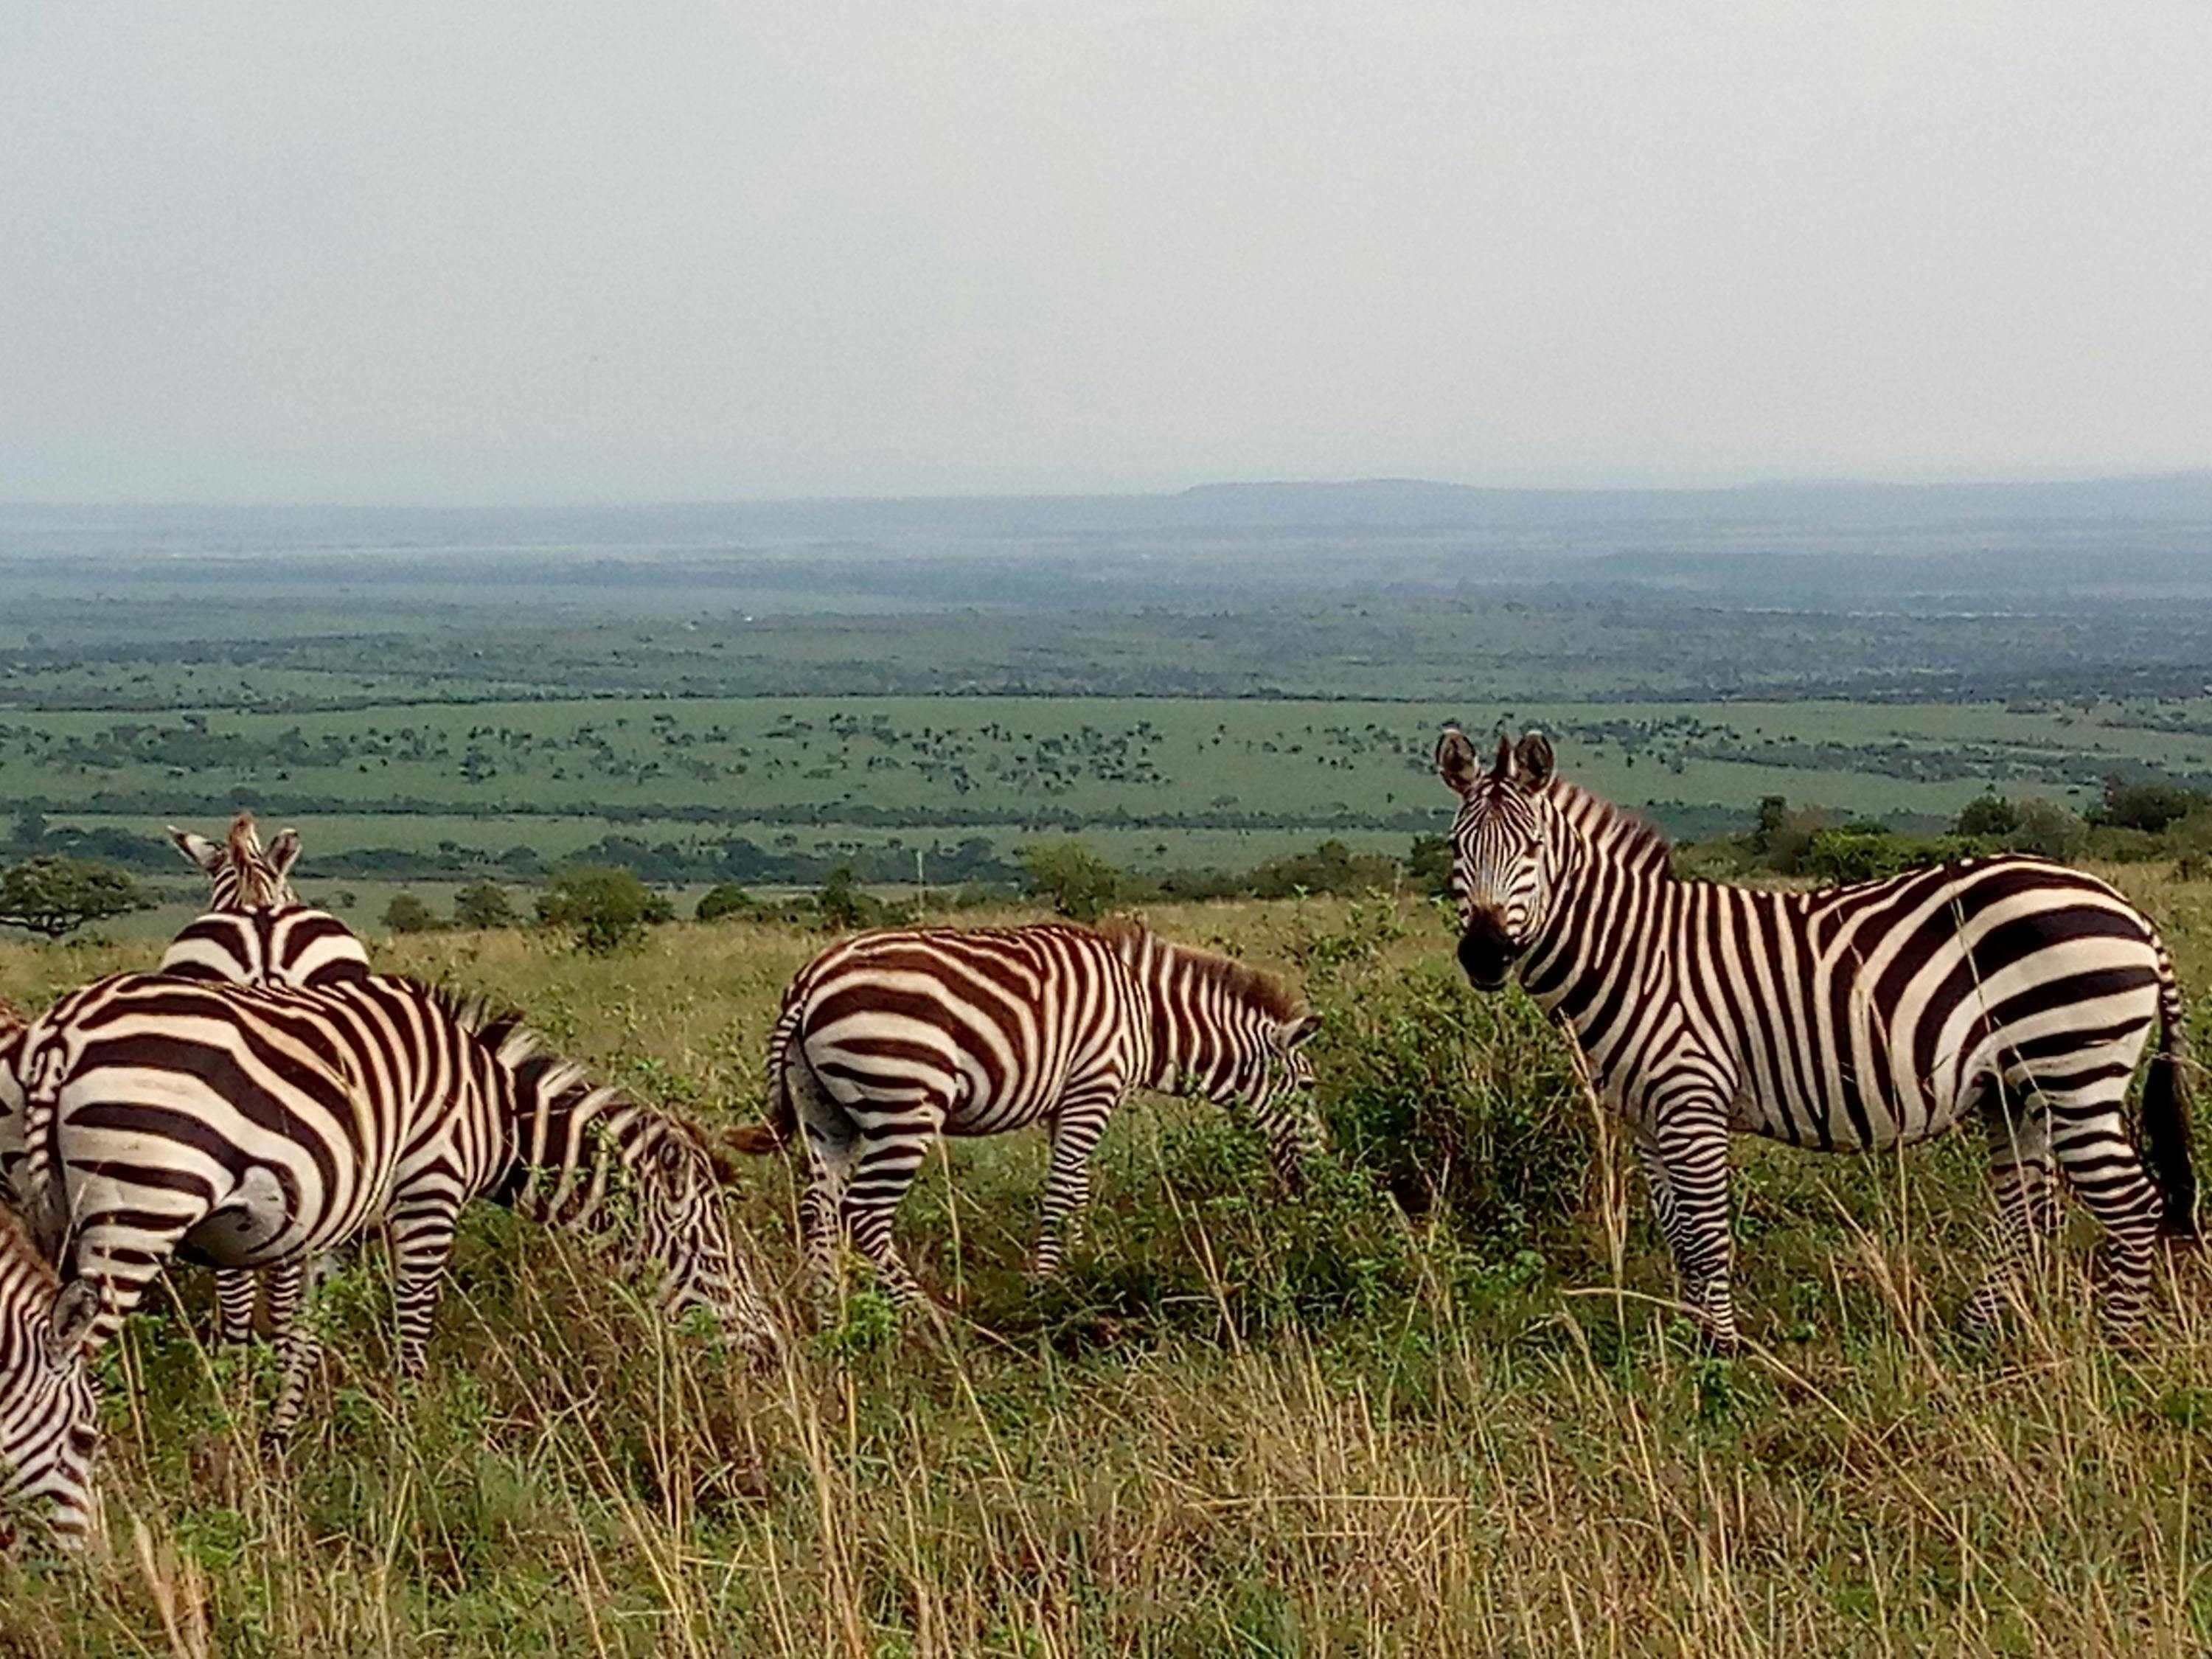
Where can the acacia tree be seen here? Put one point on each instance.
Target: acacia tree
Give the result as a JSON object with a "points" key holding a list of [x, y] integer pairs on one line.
{"points": [[57, 896]]}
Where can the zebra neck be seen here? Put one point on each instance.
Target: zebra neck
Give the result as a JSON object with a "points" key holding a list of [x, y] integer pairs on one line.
{"points": [[567, 1153], [1599, 946]]}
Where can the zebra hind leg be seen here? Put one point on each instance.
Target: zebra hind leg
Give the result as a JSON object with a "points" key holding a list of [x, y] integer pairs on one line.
{"points": [[235, 1292], [291, 1282], [2098, 1158], [892, 1144], [830, 1138], [2030, 1207]]}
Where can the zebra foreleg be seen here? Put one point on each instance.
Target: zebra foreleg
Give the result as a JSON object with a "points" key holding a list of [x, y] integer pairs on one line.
{"points": [[1692, 1189], [1076, 1127]]}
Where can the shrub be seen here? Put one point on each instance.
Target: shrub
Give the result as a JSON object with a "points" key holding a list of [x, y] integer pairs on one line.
{"points": [[2147, 806], [1450, 1097], [483, 904], [407, 915], [1989, 817], [727, 899], [1068, 875], [844, 905], [2047, 829], [602, 906]]}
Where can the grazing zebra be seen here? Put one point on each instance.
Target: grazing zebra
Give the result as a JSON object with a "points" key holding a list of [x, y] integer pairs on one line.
{"points": [[2006, 988], [891, 1039], [256, 932], [49, 1417], [251, 1127]]}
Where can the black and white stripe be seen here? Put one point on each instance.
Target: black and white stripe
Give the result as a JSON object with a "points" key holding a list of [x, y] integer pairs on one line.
{"points": [[49, 1415], [256, 932], [2008, 989], [256, 1129], [889, 1039]]}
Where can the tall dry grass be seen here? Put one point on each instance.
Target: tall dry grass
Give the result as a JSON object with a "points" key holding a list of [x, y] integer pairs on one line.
{"points": [[1360, 1426]]}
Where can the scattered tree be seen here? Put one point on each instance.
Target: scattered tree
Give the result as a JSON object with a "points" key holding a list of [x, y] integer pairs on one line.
{"points": [[1074, 880], [725, 899], [485, 904], [1988, 817], [57, 896], [407, 915], [603, 906]]}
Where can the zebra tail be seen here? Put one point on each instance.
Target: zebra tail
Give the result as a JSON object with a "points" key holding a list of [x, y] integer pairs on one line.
{"points": [[2165, 1112], [783, 1122]]}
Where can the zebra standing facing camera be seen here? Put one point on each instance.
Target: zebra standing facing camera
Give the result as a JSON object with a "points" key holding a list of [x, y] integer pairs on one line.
{"points": [[2008, 989]]}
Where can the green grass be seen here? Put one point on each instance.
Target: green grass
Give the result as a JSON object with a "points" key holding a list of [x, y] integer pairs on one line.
{"points": [[1240, 1425], [1155, 782]]}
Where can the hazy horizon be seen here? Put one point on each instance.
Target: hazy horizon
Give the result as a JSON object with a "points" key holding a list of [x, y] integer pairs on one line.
{"points": [[557, 254]]}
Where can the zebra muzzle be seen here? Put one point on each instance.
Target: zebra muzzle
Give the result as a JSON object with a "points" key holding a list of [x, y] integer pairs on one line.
{"points": [[1487, 955]]}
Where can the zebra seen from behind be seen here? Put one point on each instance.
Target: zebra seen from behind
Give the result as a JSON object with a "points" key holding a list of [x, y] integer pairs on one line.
{"points": [[889, 1039], [257, 1128], [49, 1414], [256, 931], [2009, 990]]}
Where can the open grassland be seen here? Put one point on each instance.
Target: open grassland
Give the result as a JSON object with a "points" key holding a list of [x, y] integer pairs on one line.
{"points": [[1154, 782], [1438, 1406]]}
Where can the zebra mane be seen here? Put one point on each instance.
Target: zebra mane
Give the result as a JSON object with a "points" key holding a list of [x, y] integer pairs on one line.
{"points": [[1131, 939], [1618, 835], [495, 1024], [12, 1018]]}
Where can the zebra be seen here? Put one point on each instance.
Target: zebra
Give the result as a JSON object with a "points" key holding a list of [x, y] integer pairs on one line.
{"points": [[49, 1413], [2008, 988], [255, 1128], [893, 1038], [256, 932]]}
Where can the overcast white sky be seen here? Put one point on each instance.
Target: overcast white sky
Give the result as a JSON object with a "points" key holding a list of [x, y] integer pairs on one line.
{"points": [[658, 249]]}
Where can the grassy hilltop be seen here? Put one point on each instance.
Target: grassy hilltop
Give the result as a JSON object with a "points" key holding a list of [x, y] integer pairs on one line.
{"points": [[1437, 1407]]}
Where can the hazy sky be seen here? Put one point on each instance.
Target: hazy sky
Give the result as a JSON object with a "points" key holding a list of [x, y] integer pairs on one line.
{"points": [[657, 249]]}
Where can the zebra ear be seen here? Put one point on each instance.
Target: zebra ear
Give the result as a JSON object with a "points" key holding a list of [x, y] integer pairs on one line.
{"points": [[1456, 763], [76, 1310], [1534, 761], [284, 852], [198, 848], [1295, 1034]]}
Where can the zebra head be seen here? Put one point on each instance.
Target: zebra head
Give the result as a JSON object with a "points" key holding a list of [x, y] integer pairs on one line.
{"points": [[49, 1414], [1501, 873], [681, 1224], [1279, 1092], [244, 876]]}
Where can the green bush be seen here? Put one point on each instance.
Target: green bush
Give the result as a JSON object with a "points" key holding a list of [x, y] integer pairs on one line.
{"points": [[485, 904], [1452, 1098], [727, 899], [603, 906], [407, 915], [1074, 880]]}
